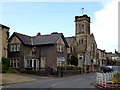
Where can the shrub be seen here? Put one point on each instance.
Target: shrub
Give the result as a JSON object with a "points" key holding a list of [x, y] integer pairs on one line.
{"points": [[80, 68], [116, 77], [63, 68], [71, 67], [74, 60], [6, 68], [5, 63]]}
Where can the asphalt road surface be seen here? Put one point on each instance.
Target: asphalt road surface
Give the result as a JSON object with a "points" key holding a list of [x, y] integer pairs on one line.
{"points": [[77, 81]]}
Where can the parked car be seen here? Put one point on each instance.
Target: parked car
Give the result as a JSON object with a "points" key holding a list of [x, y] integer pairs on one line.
{"points": [[111, 69], [107, 69]]}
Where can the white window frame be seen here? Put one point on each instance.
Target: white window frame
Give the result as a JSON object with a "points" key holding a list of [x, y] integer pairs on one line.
{"points": [[58, 47], [15, 47], [18, 47], [11, 47], [43, 66]]}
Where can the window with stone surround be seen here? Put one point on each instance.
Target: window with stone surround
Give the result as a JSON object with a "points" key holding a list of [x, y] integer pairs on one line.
{"points": [[18, 47], [82, 28], [60, 47], [11, 48], [93, 50], [15, 63], [14, 47], [43, 62], [82, 41]]}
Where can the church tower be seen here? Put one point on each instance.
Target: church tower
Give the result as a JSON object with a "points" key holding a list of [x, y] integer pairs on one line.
{"points": [[82, 34], [82, 24]]}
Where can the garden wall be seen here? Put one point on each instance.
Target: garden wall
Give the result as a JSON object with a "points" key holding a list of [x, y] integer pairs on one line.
{"points": [[70, 72]]}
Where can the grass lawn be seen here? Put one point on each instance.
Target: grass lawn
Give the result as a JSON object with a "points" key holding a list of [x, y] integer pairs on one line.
{"points": [[11, 78]]}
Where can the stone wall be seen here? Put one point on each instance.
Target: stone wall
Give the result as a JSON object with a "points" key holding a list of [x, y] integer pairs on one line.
{"points": [[0, 43], [4, 43]]}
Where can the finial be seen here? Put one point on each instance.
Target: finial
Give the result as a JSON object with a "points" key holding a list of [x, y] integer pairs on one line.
{"points": [[82, 9]]}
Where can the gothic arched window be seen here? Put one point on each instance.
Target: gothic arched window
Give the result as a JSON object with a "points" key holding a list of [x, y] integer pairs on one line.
{"points": [[82, 28]]}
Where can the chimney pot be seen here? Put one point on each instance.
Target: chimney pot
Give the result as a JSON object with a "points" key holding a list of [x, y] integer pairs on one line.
{"points": [[38, 34]]}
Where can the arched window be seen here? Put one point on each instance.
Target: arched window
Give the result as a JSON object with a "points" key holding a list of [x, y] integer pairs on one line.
{"points": [[82, 28], [82, 41], [86, 25], [79, 41]]}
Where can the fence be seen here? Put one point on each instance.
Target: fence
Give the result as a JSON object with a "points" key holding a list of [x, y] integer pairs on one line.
{"points": [[104, 77]]}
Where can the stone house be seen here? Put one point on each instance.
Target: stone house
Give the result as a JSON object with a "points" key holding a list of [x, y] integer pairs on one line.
{"points": [[114, 56], [72, 47], [38, 52], [102, 58], [4, 35]]}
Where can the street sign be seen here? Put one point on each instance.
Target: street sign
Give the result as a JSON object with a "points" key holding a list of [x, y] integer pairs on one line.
{"points": [[61, 59], [85, 58]]}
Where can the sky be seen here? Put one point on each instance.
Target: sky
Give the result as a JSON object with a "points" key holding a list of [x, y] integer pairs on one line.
{"points": [[47, 17]]}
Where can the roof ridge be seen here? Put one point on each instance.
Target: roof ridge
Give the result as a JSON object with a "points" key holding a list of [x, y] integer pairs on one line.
{"points": [[46, 35], [70, 37], [23, 34]]}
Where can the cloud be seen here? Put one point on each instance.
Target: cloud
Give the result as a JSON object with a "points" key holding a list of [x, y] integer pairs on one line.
{"points": [[105, 26]]}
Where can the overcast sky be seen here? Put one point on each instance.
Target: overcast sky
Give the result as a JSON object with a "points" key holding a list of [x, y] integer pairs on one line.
{"points": [[32, 17]]}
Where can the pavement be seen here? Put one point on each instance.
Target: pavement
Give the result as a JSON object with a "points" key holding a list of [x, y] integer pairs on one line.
{"points": [[77, 81]]}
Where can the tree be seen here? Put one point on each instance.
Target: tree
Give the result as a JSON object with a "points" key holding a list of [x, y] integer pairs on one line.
{"points": [[74, 60], [5, 63]]}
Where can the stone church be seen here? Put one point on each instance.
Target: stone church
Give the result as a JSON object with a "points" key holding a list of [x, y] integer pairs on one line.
{"points": [[85, 44]]}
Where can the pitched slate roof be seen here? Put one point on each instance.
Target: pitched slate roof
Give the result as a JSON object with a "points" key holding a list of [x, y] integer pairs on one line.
{"points": [[46, 39], [110, 54], [24, 38], [68, 39], [39, 40]]}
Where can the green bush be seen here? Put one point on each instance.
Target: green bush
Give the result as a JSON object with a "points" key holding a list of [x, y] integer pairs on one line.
{"points": [[116, 77], [80, 68], [5, 63], [63, 68], [6, 67], [74, 60], [71, 67]]}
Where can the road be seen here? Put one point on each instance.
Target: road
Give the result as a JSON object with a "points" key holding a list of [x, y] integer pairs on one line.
{"points": [[77, 81]]}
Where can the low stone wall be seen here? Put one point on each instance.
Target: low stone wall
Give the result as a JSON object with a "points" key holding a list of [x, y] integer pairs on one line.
{"points": [[60, 74], [70, 72], [40, 73]]}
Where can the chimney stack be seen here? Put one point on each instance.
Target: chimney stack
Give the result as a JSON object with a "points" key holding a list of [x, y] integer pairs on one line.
{"points": [[54, 33], [38, 34]]}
